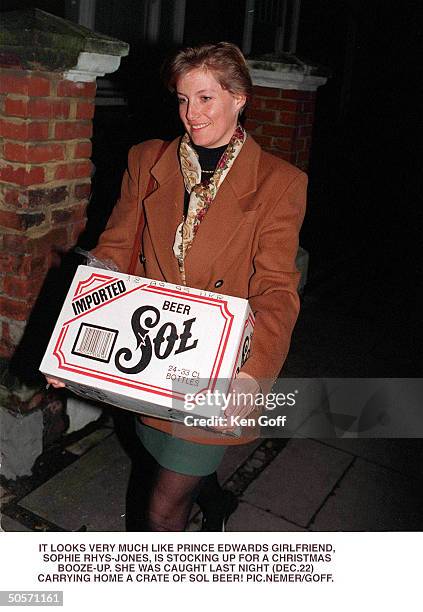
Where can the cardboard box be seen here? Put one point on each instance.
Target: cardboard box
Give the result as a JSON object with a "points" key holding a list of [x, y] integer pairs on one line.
{"points": [[144, 345]]}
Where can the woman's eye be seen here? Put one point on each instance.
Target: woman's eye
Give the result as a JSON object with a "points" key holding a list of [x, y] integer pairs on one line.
{"points": [[181, 100], [205, 98]]}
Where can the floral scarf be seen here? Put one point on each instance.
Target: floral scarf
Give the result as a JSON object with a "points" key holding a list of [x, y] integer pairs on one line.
{"points": [[202, 194]]}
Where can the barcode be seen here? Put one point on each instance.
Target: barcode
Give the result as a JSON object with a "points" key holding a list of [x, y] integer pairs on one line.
{"points": [[95, 342]]}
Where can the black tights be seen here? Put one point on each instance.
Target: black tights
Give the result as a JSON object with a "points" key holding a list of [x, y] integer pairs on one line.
{"points": [[161, 500], [171, 500]]}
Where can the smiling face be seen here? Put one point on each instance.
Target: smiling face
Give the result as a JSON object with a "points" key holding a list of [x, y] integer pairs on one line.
{"points": [[209, 112]]}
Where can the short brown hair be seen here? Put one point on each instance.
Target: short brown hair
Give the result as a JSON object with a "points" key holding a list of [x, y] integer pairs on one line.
{"points": [[224, 59]]}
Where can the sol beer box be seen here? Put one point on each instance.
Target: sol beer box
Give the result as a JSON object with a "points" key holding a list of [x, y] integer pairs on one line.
{"points": [[143, 345]]}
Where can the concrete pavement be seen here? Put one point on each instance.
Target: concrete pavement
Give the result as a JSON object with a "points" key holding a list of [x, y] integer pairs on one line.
{"points": [[283, 485]]}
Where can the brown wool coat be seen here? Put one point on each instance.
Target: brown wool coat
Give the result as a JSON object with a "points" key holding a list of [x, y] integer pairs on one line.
{"points": [[248, 239]]}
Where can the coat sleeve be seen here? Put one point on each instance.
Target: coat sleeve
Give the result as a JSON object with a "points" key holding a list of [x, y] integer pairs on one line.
{"points": [[117, 240], [273, 286]]}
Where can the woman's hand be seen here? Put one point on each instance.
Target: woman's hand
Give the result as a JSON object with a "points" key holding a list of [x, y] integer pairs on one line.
{"points": [[243, 393], [54, 382], [241, 398]]}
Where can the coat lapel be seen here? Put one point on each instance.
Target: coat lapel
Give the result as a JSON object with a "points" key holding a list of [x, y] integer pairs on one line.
{"points": [[163, 210], [225, 215]]}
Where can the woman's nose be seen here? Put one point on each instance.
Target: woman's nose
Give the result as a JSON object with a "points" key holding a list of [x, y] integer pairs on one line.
{"points": [[192, 111]]}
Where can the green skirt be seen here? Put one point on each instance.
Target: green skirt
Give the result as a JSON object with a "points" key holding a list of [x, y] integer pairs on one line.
{"points": [[179, 455]]}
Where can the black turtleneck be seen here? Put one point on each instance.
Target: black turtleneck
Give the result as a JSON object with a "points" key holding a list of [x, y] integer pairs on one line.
{"points": [[208, 159]]}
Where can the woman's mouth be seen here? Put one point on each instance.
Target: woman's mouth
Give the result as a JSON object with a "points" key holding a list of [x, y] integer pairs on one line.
{"points": [[199, 126]]}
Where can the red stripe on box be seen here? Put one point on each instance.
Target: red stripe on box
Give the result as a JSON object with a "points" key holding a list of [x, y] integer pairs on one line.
{"points": [[85, 283]]}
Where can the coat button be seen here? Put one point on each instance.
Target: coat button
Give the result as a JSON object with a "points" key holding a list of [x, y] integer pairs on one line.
{"points": [[218, 283], [142, 258]]}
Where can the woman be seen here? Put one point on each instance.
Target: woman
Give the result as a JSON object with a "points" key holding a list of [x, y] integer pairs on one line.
{"points": [[222, 216]]}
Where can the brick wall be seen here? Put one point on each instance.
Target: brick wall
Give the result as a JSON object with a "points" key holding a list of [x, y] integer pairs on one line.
{"points": [[45, 131], [281, 121]]}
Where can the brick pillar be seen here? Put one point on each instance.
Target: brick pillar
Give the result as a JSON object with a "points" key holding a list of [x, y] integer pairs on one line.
{"points": [[45, 130], [281, 113], [48, 70], [281, 120]]}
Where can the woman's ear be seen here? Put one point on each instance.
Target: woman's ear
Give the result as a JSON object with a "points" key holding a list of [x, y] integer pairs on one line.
{"points": [[240, 101]]}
